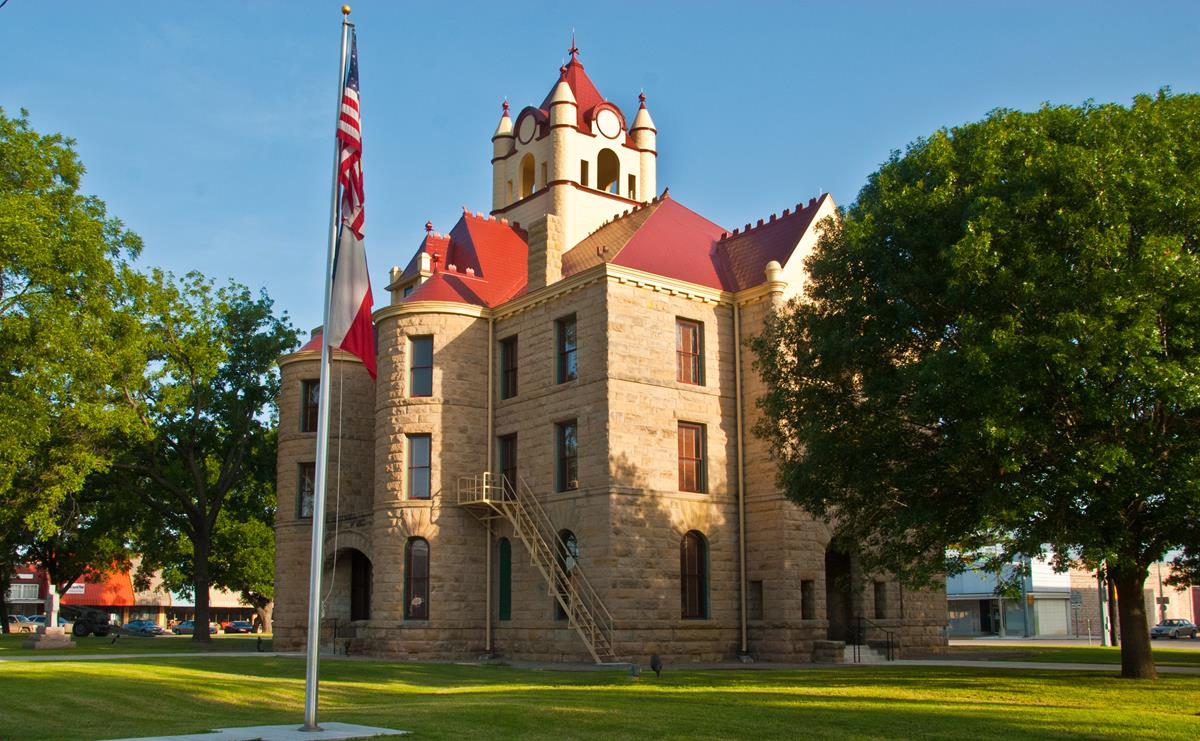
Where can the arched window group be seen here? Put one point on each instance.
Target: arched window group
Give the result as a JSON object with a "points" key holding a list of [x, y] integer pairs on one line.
{"points": [[416, 579], [693, 575]]}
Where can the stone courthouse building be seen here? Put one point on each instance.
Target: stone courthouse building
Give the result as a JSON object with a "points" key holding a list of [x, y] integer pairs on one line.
{"points": [[556, 461]]}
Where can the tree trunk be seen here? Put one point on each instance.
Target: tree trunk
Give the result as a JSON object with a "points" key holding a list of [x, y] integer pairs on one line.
{"points": [[200, 546], [1136, 660], [264, 615], [4, 587]]}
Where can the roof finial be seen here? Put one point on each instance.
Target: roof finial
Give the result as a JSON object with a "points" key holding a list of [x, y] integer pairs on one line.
{"points": [[428, 226], [505, 106], [574, 50], [642, 98]]}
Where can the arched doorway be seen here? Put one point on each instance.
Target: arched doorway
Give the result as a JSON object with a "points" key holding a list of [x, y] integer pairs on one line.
{"points": [[608, 171], [360, 586], [348, 577], [838, 602]]}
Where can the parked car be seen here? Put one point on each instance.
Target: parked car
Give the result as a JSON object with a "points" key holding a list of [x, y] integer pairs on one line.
{"points": [[1174, 628], [142, 628], [21, 624], [237, 626], [188, 627], [40, 620]]}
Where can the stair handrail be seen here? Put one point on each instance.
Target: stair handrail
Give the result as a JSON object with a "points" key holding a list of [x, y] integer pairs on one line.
{"points": [[591, 599], [860, 638]]}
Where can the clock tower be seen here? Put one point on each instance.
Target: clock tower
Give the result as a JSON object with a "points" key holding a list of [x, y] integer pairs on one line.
{"points": [[568, 165]]}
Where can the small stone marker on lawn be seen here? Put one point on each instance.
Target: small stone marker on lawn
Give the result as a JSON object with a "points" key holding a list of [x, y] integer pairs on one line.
{"points": [[50, 635]]}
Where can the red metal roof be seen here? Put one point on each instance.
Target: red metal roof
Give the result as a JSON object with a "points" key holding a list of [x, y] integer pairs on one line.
{"points": [[745, 254], [492, 249]]}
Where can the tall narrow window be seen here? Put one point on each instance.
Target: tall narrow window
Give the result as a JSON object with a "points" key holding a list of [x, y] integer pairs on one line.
{"points": [[310, 399], [689, 352], [583, 173], [527, 185], [420, 366], [691, 457], [419, 466], [508, 459], [416, 579], [693, 575], [508, 367], [504, 603], [305, 494], [567, 445], [567, 552], [633, 187], [880, 600], [566, 342]]}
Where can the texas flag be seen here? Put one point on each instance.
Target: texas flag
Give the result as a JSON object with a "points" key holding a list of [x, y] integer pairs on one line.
{"points": [[350, 303]]}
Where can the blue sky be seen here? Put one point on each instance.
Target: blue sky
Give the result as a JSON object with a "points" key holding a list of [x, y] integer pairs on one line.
{"points": [[207, 127]]}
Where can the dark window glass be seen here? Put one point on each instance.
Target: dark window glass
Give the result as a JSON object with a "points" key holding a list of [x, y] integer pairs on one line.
{"points": [[693, 577], [310, 400], [508, 459], [505, 580], [410, 289], [508, 368], [754, 600], [689, 352], [420, 375], [568, 456], [416, 579], [360, 586], [567, 553], [567, 345], [305, 494], [691, 457], [880, 600], [419, 447]]}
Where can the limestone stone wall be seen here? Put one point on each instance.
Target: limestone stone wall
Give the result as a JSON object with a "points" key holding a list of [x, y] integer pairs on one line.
{"points": [[350, 472]]}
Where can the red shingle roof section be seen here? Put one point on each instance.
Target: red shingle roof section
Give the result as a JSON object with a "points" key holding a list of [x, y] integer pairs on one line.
{"points": [[745, 255], [586, 95], [492, 250]]}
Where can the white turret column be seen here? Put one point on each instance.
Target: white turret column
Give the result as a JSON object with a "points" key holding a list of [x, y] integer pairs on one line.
{"points": [[645, 137], [502, 146]]}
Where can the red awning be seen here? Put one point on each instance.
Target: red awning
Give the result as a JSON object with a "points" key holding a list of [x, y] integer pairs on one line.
{"points": [[115, 590]]}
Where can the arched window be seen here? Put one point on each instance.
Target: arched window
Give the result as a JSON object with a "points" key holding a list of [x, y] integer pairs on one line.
{"points": [[505, 580], [416, 579], [608, 171], [693, 575], [567, 553], [527, 174]]}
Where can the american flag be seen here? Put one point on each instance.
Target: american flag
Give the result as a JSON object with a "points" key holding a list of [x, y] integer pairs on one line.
{"points": [[349, 132]]}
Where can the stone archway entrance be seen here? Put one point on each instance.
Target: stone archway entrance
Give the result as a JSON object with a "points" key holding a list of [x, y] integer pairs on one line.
{"points": [[838, 603], [360, 586]]}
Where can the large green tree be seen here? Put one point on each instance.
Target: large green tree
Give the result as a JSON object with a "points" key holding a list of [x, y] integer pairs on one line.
{"points": [[67, 338], [1000, 343], [206, 408]]}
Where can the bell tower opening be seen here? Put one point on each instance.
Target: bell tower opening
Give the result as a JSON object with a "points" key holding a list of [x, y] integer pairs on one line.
{"points": [[527, 174], [608, 171]]}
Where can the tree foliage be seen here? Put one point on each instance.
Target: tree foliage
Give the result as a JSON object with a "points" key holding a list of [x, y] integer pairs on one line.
{"points": [[68, 340], [205, 409], [1000, 344]]}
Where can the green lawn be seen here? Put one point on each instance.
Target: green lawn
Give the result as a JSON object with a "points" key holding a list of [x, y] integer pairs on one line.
{"points": [[90, 699], [10, 645], [1071, 654]]}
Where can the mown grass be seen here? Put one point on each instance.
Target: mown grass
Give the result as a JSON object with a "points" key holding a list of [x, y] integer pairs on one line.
{"points": [[1071, 654], [10, 645], [153, 695]]}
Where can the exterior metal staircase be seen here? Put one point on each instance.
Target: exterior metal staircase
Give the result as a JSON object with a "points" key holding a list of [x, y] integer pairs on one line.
{"points": [[488, 493]]}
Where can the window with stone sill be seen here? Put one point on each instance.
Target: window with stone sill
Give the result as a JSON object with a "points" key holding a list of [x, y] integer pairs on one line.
{"points": [[566, 344], [567, 450], [419, 466], [310, 400], [420, 373], [416, 579], [508, 367], [689, 352], [306, 488], [691, 458], [693, 576]]}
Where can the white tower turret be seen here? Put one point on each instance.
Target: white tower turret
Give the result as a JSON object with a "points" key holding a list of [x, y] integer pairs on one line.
{"points": [[645, 140], [502, 147]]}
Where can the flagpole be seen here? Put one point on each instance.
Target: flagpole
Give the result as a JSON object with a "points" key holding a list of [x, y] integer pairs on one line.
{"points": [[312, 649]]}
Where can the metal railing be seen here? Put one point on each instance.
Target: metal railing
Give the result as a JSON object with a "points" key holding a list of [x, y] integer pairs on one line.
{"points": [[859, 636], [585, 611]]}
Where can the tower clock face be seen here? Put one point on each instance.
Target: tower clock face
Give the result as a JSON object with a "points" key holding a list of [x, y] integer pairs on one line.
{"points": [[526, 130], [608, 123]]}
